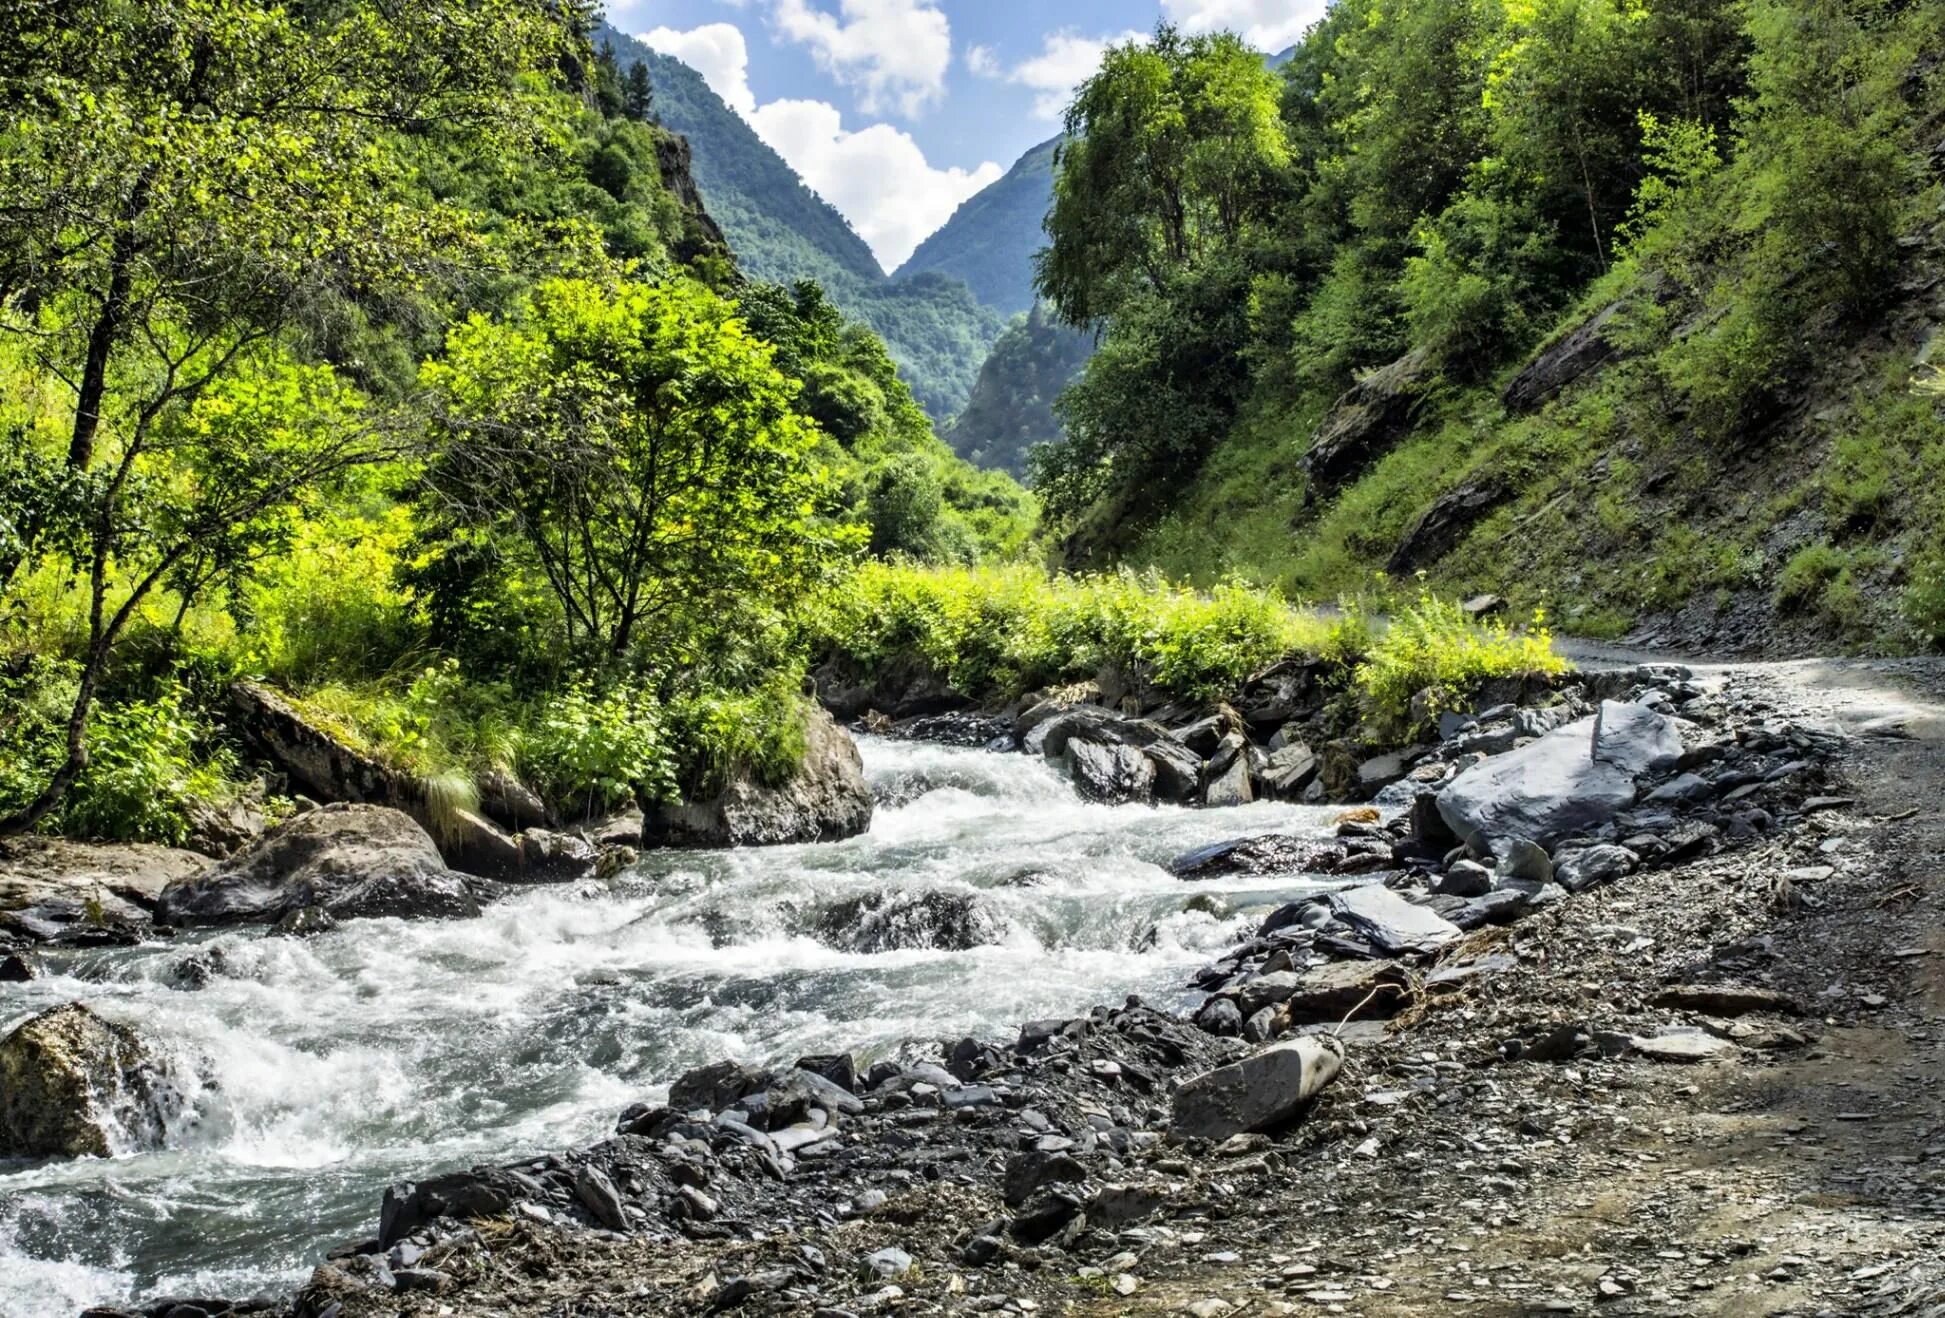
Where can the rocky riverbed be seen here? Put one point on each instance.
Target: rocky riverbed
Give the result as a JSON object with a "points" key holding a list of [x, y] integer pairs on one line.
{"points": [[1424, 1084]]}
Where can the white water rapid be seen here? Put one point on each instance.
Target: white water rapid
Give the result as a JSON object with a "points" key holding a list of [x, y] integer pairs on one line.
{"points": [[326, 1068]]}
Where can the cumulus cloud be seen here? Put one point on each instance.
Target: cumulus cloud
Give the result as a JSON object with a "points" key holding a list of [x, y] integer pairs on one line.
{"points": [[877, 176], [895, 53], [718, 52], [1066, 60], [1270, 25]]}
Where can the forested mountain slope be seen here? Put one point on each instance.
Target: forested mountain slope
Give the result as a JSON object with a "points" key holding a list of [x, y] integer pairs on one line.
{"points": [[990, 240], [1012, 404], [937, 330], [1623, 310]]}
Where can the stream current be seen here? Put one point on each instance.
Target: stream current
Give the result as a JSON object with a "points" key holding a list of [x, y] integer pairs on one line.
{"points": [[320, 1070]]}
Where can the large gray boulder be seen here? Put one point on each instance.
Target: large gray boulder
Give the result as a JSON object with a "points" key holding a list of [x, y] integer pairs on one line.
{"points": [[1116, 759], [1545, 791], [73, 1085], [894, 921], [1262, 1091], [1636, 739], [1392, 925], [54, 888], [825, 800], [1110, 774], [350, 861]]}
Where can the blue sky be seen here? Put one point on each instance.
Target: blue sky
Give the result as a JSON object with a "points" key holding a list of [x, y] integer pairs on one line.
{"points": [[898, 110]]}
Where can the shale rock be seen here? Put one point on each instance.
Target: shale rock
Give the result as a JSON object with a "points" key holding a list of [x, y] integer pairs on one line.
{"points": [[1389, 923], [1260, 1092], [1545, 791], [74, 1085], [350, 861], [825, 800], [1370, 417]]}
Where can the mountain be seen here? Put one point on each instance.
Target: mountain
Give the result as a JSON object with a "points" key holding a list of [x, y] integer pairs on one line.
{"points": [[990, 240], [938, 331], [1012, 405]]}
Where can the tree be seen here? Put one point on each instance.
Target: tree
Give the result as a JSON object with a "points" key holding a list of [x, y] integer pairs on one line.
{"points": [[177, 179], [644, 449], [638, 96]]}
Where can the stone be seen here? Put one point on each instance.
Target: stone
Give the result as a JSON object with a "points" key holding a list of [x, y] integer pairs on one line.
{"points": [[1480, 607], [73, 1085], [1266, 990], [1578, 871], [598, 1195], [1576, 354], [1265, 1090], [1290, 769], [1389, 923], [1545, 791], [1220, 1016], [1682, 788], [1727, 1000], [1465, 878], [513, 805], [1636, 739], [715, 1087], [1346, 990], [1364, 422], [1682, 1046], [409, 1206], [350, 861], [1269, 853], [1230, 787], [1026, 1173], [885, 1264], [1108, 774], [889, 921], [1444, 526], [825, 799], [15, 969], [54, 888], [1521, 861]]}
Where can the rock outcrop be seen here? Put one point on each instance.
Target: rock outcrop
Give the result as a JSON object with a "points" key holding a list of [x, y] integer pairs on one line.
{"points": [[1446, 523], [347, 861], [1373, 415], [55, 890], [825, 800], [73, 1085], [1573, 356]]}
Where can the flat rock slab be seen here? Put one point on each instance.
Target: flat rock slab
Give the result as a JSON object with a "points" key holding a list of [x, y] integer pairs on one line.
{"points": [[1389, 923], [1545, 791], [1728, 1000], [1260, 1092], [1682, 1046], [57, 878], [1345, 990], [1635, 739]]}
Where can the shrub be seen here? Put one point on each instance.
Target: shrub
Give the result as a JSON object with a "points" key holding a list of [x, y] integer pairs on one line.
{"points": [[716, 736], [1806, 575], [1432, 646], [1924, 602], [144, 774], [593, 754]]}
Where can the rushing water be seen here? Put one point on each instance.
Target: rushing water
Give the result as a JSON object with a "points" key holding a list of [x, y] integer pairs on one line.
{"points": [[325, 1068]]}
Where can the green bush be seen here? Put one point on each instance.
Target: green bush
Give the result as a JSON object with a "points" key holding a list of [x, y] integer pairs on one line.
{"points": [[1433, 647], [716, 736], [145, 772], [1805, 577], [589, 753], [1924, 602]]}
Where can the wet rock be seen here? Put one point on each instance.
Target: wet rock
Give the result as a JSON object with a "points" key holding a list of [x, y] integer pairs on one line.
{"points": [[55, 889], [513, 805], [304, 922], [1231, 786], [1110, 774], [716, 1086], [1389, 923], [409, 1206], [74, 1085], [1546, 791], [544, 857], [826, 799], [1026, 1173], [1260, 1092], [1271, 853], [15, 969], [1220, 1016], [1290, 769], [351, 861], [895, 921]]}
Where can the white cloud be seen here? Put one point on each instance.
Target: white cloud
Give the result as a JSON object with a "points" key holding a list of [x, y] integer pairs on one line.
{"points": [[877, 176], [718, 52], [1066, 60], [1270, 25], [894, 52]]}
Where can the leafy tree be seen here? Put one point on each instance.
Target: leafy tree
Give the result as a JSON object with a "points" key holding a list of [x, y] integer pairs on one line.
{"points": [[644, 449], [155, 162]]}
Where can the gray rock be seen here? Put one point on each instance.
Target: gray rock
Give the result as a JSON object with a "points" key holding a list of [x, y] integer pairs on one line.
{"points": [[1546, 791], [350, 861], [1365, 422], [1290, 768], [885, 1264], [1728, 1000], [1581, 351], [1683, 787], [1684, 1045], [15, 969], [1578, 871], [1264, 1090], [1264, 1025], [1231, 786], [1388, 922], [1521, 861], [73, 1085], [825, 800], [1266, 991], [1635, 739], [1110, 774], [716, 1086], [1465, 878], [1345, 990], [1220, 1016], [890, 921], [598, 1195]]}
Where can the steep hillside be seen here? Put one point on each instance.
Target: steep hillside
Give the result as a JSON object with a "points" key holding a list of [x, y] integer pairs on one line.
{"points": [[781, 231], [1012, 405], [1647, 344], [990, 240]]}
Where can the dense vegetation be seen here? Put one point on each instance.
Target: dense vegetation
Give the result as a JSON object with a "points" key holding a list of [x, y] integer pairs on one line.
{"points": [[938, 331], [1012, 405], [495, 461], [990, 240], [1747, 185]]}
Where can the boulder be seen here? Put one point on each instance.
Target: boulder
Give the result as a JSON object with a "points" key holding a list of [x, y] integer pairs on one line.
{"points": [[1635, 739], [1346, 990], [1291, 768], [73, 1085], [1521, 861], [890, 921], [1366, 421], [1445, 524], [1466, 878], [1545, 791], [1271, 853], [54, 888], [1110, 774], [409, 1206], [1231, 786], [1389, 923], [510, 803], [318, 764], [1262, 1091], [1579, 870], [714, 1087], [349, 861], [1581, 351], [825, 800]]}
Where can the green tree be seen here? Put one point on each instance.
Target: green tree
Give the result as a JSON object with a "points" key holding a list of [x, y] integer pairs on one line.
{"points": [[179, 179], [638, 96], [643, 448]]}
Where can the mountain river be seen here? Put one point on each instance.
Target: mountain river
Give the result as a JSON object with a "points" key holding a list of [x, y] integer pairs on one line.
{"points": [[320, 1070]]}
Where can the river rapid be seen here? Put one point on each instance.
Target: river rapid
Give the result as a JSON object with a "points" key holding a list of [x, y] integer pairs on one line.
{"points": [[320, 1070]]}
